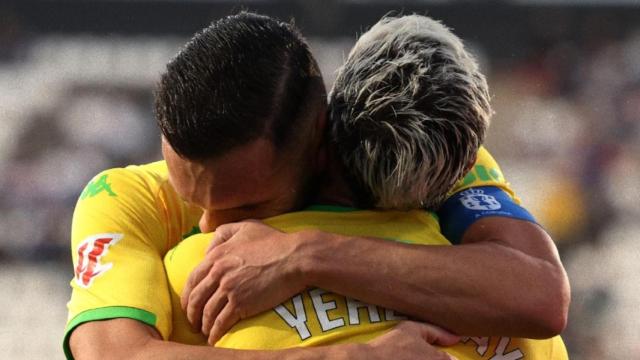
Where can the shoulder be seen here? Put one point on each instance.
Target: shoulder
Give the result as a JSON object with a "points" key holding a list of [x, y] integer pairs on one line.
{"points": [[122, 184], [121, 200], [485, 172]]}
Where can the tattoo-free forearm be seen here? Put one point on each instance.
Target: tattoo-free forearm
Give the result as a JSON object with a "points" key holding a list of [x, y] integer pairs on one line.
{"points": [[487, 286], [130, 339]]}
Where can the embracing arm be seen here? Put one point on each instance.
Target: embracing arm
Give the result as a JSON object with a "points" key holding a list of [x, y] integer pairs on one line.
{"points": [[129, 339], [505, 279]]}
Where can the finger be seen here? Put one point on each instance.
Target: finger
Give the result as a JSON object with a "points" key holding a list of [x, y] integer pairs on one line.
{"points": [[443, 356], [196, 275], [436, 335], [212, 309], [199, 297], [226, 319], [223, 233], [446, 356]]}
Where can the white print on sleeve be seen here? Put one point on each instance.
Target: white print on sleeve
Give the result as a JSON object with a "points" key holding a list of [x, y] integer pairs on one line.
{"points": [[476, 199], [90, 251]]}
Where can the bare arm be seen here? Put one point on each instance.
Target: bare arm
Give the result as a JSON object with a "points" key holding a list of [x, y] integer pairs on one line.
{"points": [[505, 279], [129, 339]]}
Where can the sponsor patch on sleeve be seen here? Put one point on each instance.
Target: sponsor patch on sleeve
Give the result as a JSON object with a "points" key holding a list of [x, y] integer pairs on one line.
{"points": [[90, 253], [466, 207]]}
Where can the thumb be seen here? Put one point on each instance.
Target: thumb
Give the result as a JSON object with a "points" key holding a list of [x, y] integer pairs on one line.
{"points": [[435, 335]]}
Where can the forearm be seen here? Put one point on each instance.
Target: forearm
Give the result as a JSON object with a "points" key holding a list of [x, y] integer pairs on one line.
{"points": [[483, 288], [130, 339], [158, 349]]}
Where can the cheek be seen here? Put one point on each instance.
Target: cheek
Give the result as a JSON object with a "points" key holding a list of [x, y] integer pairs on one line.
{"points": [[290, 197]]}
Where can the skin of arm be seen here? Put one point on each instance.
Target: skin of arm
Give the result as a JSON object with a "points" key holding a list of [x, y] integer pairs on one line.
{"points": [[505, 279], [129, 339]]}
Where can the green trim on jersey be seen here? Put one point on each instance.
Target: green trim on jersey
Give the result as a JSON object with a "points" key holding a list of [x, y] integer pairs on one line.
{"points": [[105, 313], [194, 231]]}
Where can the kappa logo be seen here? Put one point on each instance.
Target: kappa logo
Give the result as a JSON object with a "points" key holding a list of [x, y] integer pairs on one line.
{"points": [[90, 251], [95, 187], [476, 199]]}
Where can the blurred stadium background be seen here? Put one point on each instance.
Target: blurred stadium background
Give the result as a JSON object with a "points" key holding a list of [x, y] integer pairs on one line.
{"points": [[75, 97]]}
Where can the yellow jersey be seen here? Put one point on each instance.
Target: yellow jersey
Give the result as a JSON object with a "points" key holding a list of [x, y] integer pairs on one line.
{"points": [[125, 221], [318, 317]]}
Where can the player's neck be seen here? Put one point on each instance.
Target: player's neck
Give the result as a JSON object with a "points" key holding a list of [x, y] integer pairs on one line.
{"points": [[334, 189]]}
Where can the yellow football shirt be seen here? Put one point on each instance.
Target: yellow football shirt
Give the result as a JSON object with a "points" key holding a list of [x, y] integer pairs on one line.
{"points": [[485, 172], [124, 222], [317, 317]]}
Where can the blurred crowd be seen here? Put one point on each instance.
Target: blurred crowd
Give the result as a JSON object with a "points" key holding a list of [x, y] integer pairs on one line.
{"points": [[566, 133]]}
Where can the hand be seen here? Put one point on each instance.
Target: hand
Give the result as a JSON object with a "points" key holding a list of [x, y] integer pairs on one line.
{"points": [[248, 268], [410, 340]]}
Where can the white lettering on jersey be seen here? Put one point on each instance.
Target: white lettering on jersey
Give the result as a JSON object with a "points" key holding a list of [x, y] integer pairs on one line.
{"points": [[482, 342], [502, 347], [322, 308], [391, 315], [499, 354], [297, 320], [354, 315]]}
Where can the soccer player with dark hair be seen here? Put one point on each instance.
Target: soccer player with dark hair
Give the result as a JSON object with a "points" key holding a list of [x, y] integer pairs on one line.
{"points": [[143, 216], [234, 117]]}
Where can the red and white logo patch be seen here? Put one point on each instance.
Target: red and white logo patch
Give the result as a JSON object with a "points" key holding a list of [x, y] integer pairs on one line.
{"points": [[90, 251]]}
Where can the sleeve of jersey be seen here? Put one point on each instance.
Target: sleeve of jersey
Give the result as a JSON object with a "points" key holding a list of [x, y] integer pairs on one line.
{"points": [[118, 242], [484, 191]]}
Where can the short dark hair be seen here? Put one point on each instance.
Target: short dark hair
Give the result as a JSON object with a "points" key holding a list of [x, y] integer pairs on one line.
{"points": [[244, 77]]}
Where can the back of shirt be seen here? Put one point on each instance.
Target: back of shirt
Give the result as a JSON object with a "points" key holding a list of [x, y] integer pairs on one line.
{"points": [[318, 317]]}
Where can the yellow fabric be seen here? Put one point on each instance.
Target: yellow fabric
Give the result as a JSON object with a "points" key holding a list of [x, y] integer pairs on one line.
{"points": [[316, 317], [485, 172], [139, 217]]}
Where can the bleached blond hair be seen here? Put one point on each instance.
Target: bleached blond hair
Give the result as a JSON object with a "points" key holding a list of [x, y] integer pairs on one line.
{"points": [[408, 112]]}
